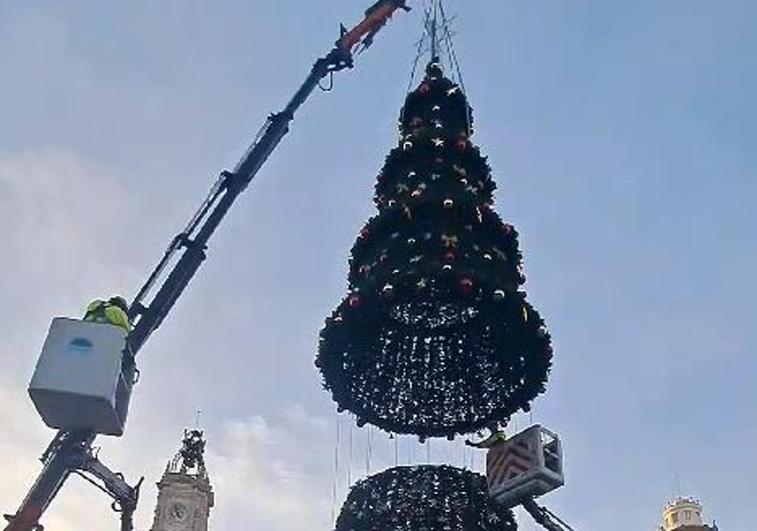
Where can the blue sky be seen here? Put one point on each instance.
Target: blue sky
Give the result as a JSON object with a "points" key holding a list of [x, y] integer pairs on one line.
{"points": [[622, 138]]}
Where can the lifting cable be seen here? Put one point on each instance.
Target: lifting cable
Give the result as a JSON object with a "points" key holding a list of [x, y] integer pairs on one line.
{"points": [[435, 39], [446, 22], [336, 471], [349, 462], [369, 450], [427, 20]]}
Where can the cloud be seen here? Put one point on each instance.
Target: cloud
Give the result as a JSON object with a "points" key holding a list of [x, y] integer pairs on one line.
{"points": [[58, 247], [65, 221], [272, 474], [68, 220]]}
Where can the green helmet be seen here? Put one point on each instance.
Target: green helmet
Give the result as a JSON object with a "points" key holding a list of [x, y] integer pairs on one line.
{"points": [[119, 302]]}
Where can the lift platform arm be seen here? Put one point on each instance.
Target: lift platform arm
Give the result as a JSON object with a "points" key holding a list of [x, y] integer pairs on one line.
{"points": [[544, 516], [187, 251], [194, 238]]}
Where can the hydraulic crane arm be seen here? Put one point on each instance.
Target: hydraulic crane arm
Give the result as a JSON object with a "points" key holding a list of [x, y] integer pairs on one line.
{"points": [[544, 516], [194, 238], [376, 17], [186, 253]]}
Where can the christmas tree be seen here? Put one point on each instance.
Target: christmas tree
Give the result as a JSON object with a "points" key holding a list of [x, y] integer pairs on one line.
{"points": [[435, 337], [423, 498]]}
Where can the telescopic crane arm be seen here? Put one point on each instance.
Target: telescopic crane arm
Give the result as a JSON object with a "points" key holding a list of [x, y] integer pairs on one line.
{"points": [[65, 454], [193, 240]]}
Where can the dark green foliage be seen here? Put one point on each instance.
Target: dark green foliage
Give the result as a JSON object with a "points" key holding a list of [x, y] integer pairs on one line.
{"points": [[435, 337]]}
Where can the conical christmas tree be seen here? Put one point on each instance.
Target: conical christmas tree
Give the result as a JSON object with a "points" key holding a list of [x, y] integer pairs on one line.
{"points": [[423, 498], [435, 337]]}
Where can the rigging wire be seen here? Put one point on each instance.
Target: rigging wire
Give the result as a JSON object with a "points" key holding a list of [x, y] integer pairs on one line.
{"points": [[454, 61], [349, 462], [418, 53], [451, 47], [438, 34], [369, 451], [336, 471], [420, 48]]}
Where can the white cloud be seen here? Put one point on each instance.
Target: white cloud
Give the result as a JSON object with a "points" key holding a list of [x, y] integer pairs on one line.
{"points": [[264, 473], [66, 223], [58, 248]]}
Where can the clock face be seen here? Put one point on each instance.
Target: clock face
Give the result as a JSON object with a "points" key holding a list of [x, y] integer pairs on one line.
{"points": [[178, 513]]}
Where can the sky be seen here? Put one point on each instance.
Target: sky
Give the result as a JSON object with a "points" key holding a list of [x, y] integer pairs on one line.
{"points": [[622, 136]]}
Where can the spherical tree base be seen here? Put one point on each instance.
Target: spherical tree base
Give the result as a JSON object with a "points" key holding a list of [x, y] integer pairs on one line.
{"points": [[423, 498]]}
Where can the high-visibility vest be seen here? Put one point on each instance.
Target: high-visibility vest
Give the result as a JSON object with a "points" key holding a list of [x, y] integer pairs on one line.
{"points": [[104, 312]]}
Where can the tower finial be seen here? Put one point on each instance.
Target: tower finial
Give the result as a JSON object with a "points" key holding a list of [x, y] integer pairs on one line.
{"points": [[193, 449], [191, 457]]}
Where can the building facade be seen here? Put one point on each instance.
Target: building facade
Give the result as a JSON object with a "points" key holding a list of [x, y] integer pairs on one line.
{"points": [[185, 495], [684, 514]]}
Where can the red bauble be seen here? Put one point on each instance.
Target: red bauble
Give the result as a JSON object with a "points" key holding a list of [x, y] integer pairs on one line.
{"points": [[365, 233], [466, 286], [449, 257], [462, 144], [507, 228], [355, 301], [425, 88]]}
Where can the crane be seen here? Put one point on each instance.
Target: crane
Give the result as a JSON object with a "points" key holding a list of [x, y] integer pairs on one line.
{"points": [[71, 452]]}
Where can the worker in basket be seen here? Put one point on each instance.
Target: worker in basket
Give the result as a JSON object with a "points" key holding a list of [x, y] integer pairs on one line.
{"points": [[497, 436], [114, 311]]}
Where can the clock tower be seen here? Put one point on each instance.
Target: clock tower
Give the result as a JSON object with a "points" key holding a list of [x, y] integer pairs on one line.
{"points": [[185, 495]]}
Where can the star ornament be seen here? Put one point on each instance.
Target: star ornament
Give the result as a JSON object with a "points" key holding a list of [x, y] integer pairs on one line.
{"points": [[454, 90], [438, 142]]}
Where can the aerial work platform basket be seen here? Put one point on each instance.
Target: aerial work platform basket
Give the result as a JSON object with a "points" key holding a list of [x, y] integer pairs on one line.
{"points": [[84, 377], [526, 466]]}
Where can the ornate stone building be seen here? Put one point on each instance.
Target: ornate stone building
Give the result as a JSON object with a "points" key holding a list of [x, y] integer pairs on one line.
{"points": [[185, 495], [684, 514]]}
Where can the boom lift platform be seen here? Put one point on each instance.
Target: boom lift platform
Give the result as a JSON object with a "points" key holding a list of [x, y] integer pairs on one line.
{"points": [[524, 467], [83, 408]]}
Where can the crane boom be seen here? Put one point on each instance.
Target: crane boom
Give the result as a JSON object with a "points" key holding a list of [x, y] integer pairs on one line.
{"points": [[64, 455]]}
